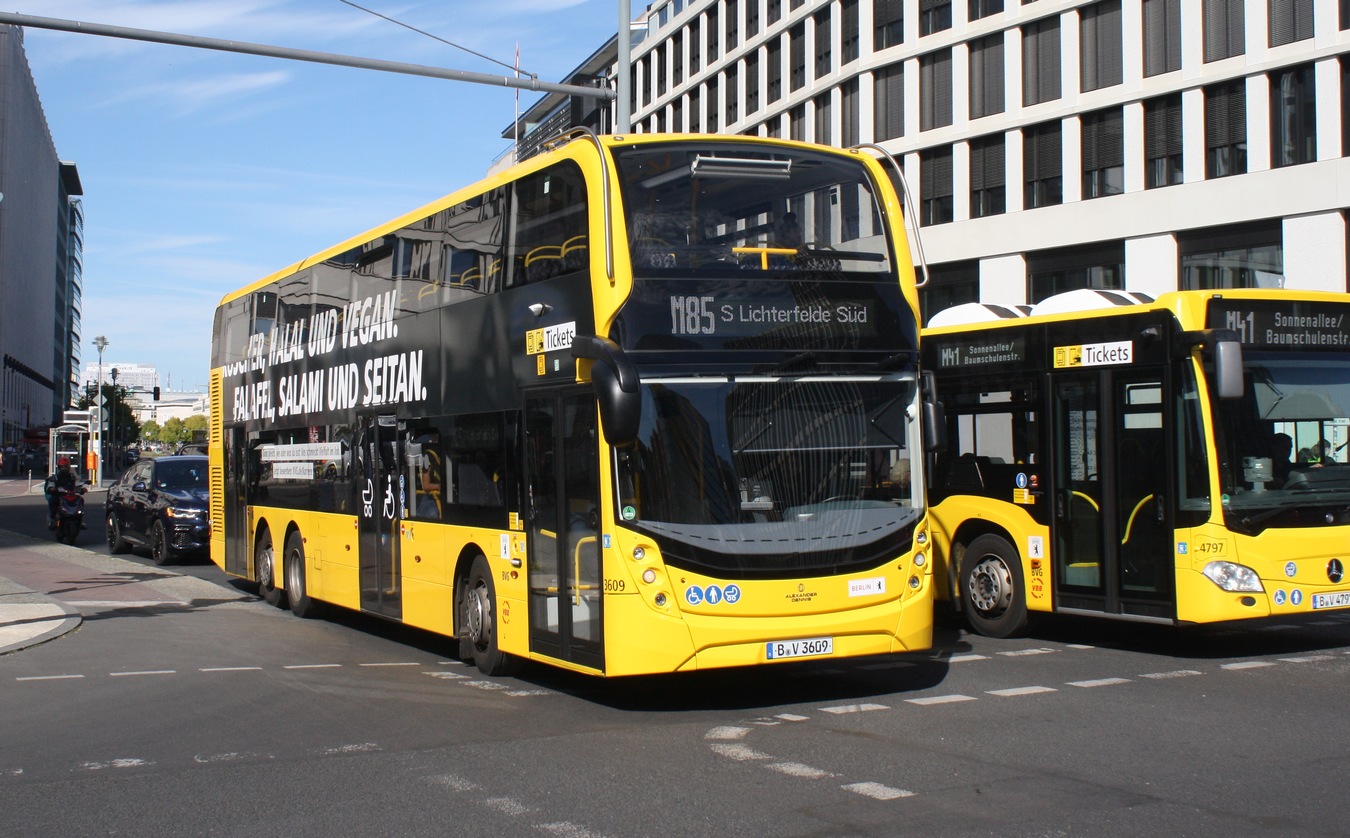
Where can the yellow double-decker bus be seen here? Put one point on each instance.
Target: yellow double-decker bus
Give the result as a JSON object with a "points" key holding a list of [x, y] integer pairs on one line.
{"points": [[1179, 460], [636, 405]]}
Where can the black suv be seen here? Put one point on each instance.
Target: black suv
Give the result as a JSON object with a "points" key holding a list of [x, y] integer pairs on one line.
{"points": [[161, 504]]}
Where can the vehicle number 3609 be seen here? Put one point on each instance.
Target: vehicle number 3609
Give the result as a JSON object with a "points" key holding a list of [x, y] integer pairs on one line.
{"points": [[692, 316]]}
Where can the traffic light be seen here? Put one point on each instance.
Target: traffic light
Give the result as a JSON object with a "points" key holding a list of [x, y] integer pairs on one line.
{"points": [[156, 394]]}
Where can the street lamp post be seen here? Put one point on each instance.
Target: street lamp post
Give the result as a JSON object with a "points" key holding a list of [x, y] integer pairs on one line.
{"points": [[100, 343]]}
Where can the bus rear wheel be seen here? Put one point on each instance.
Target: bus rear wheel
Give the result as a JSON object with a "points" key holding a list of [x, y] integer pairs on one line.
{"points": [[991, 587], [479, 610], [302, 604]]}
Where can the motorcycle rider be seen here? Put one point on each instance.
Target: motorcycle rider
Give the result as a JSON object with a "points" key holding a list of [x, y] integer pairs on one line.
{"points": [[61, 481]]}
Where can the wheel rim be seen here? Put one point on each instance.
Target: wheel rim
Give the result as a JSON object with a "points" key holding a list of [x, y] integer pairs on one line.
{"points": [[478, 615], [991, 586], [265, 567], [293, 573], [111, 533], [159, 548]]}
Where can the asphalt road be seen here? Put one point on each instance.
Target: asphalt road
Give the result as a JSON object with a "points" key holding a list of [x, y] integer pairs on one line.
{"points": [[183, 706]]}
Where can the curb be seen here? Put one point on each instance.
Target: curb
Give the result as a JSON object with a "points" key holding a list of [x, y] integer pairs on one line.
{"points": [[28, 618]]}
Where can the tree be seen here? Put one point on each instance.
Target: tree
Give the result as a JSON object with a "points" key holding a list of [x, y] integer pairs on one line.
{"points": [[173, 432], [150, 431]]}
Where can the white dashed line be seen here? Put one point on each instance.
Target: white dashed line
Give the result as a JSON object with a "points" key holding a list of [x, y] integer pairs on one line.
{"points": [[796, 769], [313, 666], [791, 717], [877, 791], [1308, 659], [1176, 673], [567, 830], [126, 762], [1021, 653], [47, 677], [965, 658], [939, 699], [231, 669], [144, 672], [727, 732], [1099, 682], [507, 806], [1246, 665], [1016, 691], [740, 753], [392, 663], [843, 709]]}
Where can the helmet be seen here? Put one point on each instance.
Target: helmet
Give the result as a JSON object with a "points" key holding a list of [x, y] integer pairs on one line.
{"points": [[63, 461]]}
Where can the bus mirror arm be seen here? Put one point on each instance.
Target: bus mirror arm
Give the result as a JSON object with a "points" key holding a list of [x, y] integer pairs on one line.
{"points": [[1226, 347], [616, 384]]}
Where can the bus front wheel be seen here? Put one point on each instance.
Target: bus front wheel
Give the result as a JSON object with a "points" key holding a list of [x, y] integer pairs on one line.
{"points": [[480, 621], [991, 585]]}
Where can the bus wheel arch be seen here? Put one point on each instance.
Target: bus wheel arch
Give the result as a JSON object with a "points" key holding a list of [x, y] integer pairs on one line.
{"points": [[265, 566], [478, 630], [991, 587]]}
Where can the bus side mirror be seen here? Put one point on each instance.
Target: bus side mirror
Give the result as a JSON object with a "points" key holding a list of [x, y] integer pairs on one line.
{"points": [[934, 418], [1228, 368], [615, 381]]}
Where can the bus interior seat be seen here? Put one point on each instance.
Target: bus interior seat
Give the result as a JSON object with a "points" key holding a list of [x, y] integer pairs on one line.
{"points": [[966, 475], [574, 252], [475, 489], [543, 262]]}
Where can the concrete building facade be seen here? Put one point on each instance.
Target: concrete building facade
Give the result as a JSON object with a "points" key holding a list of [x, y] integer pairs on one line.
{"points": [[41, 255], [1145, 145]]}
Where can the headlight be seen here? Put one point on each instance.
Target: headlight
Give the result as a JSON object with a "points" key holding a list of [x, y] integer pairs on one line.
{"points": [[1233, 577], [179, 512]]}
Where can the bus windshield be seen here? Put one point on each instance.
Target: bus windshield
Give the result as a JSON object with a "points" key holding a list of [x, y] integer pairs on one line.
{"points": [[772, 476], [1286, 441], [710, 208]]}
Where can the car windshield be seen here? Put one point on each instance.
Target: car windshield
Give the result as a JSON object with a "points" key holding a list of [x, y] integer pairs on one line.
{"points": [[772, 475], [180, 475], [1285, 442]]}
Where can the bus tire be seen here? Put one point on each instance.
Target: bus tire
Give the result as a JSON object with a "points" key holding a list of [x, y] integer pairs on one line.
{"points": [[479, 609], [265, 570], [297, 595], [992, 592]]}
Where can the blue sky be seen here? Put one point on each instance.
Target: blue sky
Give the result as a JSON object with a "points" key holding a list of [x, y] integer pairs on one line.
{"points": [[203, 170]]}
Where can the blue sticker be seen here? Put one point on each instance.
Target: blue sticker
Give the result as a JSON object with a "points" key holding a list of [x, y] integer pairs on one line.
{"points": [[732, 594], [1181, 547], [1279, 597], [693, 595], [713, 594], [1290, 569], [606, 540], [1021, 479], [1296, 597]]}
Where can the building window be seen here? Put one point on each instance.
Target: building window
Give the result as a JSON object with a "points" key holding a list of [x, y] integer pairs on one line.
{"points": [[1042, 165], [1293, 116], [824, 119], [695, 111], [849, 37], [1162, 141], [775, 11], [934, 16], [1040, 61], [986, 76], [695, 47], [733, 95], [1245, 256], [1345, 106], [1099, 266], [1223, 29], [677, 58], [751, 19], [888, 24], [935, 90], [797, 123], [714, 31], [983, 8], [851, 119], [659, 65], [888, 102], [935, 186], [1099, 38], [710, 111], [1290, 21], [752, 83], [733, 24], [823, 52], [1226, 129], [1103, 153], [1162, 36], [950, 284], [775, 74], [797, 57], [987, 164]]}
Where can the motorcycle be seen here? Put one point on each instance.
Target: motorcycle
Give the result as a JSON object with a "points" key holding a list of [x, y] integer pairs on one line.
{"points": [[69, 514]]}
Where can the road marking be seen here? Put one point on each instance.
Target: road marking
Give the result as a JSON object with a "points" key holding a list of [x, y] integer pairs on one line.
{"points": [[727, 732], [939, 699], [1016, 691], [125, 762], [567, 830], [791, 717], [740, 753], [1176, 673], [507, 806], [796, 769], [392, 663], [1246, 665], [877, 791], [230, 669], [356, 748], [1099, 682], [1020, 653], [1308, 659], [313, 666], [145, 672], [46, 677], [965, 658], [842, 709]]}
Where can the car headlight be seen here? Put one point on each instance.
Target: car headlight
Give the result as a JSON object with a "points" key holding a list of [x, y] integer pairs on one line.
{"points": [[180, 512], [1233, 577]]}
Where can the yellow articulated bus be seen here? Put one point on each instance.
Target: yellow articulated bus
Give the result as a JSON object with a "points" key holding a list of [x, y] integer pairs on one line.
{"points": [[1179, 460], [636, 405]]}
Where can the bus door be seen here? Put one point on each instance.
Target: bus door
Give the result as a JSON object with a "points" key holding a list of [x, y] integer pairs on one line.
{"points": [[1111, 552], [563, 528], [379, 497], [238, 552]]}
